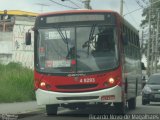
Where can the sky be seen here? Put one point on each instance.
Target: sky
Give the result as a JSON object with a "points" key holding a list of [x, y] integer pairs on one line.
{"points": [[32, 6]]}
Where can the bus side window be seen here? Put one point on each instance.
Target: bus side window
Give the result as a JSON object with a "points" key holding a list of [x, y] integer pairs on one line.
{"points": [[124, 38]]}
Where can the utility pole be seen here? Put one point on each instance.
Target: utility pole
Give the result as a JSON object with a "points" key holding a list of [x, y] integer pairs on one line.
{"points": [[153, 50], [142, 41], [157, 41], [153, 41], [121, 7], [87, 4], [4, 18], [149, 41]]}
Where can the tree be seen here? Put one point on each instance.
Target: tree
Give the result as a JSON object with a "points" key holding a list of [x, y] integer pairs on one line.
{"points": [[143, 66], [155, 4], [152, 7]]}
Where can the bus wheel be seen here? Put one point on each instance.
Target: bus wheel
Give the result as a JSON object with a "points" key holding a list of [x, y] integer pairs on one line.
{"points": [[120, 108], [144, 102], [51, 109], [132, 103]]}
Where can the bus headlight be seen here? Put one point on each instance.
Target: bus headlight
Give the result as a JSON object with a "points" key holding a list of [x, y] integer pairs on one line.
{"points": [[45, 86], [111, 80], [42, 84], [109, 83]]}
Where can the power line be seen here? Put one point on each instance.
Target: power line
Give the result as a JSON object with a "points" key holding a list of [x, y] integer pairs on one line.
{"points": [[145, 2], [42, 5], [130, 14], [79, 1], [63, 5], [132, 11], [74, 3], [139, 3]]}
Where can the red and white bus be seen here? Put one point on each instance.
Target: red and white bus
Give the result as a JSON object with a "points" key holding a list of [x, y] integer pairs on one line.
{"points": [[84, 57]]}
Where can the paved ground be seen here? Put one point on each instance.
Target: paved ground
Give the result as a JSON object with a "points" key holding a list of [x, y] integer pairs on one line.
{"points": [[142, 112], [20, 107]]}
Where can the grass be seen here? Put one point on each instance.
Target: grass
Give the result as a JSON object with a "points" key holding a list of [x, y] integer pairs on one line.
{"points": [[16, 83]]}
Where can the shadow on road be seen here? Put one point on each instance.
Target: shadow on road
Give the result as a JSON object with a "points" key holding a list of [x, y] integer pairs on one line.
{"points": [[94, 110]]}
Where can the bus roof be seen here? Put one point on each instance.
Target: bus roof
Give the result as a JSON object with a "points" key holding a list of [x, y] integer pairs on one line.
{"points": [[76, 11], [19, 12], [90, 11]]}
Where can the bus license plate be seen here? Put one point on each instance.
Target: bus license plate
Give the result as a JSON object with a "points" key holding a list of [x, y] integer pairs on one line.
{"points": [[108, 97]]}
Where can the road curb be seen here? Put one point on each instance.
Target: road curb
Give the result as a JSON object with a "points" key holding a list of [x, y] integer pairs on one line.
{"points": [[30, 113]]}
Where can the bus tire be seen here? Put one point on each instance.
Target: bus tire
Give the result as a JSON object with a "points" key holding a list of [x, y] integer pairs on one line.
{"points": [[144, 102], [51, 109], [120, 108], [132, 103]]}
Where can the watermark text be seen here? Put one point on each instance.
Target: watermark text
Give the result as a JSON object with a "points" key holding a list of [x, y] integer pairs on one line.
{"points": [[125, 117]]}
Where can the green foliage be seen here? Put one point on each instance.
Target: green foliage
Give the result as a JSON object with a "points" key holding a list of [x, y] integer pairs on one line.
{"points": [[145, 14], [153, 9], [16, 83]]}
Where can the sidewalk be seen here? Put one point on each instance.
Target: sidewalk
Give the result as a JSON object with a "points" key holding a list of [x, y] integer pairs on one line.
{"points": [[19, 107]]}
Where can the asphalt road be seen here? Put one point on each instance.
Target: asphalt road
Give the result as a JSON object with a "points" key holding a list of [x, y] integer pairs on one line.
{"points": [[147, 112]]}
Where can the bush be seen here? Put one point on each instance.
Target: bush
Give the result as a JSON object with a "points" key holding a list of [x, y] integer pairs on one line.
{"points": [[16, 83]]}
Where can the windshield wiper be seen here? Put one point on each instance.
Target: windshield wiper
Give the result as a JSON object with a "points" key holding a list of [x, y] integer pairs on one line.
{"points": [[67, 41], [86, 44], [64, 38]]}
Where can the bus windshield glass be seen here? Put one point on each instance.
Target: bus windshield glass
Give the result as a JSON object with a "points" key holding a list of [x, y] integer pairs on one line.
{"points": [[77, 49]]}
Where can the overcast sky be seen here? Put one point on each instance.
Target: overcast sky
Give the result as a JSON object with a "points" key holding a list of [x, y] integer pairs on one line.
{"points": [[31, 5]]}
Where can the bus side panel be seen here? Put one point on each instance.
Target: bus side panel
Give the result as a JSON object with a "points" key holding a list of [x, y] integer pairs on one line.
{"points": [[121, 52], [131, 68]]}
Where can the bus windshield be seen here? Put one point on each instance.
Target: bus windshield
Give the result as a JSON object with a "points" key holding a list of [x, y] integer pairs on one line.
{"points": [[77, 49]]}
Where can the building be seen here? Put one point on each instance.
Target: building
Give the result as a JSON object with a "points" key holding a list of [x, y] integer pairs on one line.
{"points": [[13, 26]]}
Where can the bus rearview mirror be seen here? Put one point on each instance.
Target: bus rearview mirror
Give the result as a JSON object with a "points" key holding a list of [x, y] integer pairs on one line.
{"points": [[28, 38]]}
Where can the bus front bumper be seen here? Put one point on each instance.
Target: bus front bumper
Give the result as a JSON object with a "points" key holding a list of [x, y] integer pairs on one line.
{"points": [[108, 95]]}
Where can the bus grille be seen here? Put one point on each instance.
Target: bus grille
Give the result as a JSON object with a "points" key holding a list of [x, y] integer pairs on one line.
{"points": [[78, 98], [77, 86]]}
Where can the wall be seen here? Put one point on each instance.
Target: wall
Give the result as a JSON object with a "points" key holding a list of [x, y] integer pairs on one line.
{"points": [[5, 47], [21, 52], [12, 44]]}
